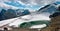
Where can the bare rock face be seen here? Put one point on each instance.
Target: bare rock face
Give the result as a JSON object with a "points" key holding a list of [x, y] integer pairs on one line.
{"points": [[54, 26]]}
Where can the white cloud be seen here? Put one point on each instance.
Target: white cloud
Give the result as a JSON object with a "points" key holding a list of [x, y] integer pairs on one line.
{"points": [[57, 0], [6, 6], [21, 2], [5, 0], [37, 2], [30, 3]]}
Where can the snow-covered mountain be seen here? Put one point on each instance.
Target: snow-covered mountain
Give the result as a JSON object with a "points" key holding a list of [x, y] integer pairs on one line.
{"points": [[17, 21], [48, 8], [43, 15]]}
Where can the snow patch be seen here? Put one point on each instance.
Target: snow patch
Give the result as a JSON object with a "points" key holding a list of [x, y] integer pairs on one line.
{"points": [[38, 26]]}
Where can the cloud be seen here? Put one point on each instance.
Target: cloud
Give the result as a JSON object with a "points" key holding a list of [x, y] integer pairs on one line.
{"points": [[3, 5], [37, 2], [57, 0], [29, 4], [6, 6]]}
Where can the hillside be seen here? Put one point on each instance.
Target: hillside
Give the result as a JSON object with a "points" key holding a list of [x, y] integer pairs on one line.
{"points": [[54, 26]]}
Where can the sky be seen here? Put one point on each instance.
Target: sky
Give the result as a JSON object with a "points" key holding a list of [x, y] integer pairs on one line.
{"points": [[25, 4]]}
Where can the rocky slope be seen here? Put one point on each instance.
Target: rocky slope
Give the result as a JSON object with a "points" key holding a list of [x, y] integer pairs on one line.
{"points": [[54, 26]]}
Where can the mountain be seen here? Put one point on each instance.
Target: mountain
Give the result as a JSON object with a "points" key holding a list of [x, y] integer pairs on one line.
{"points": [[22, 12], [7, 14], [54, 26], [11, 13], [48, 8]]}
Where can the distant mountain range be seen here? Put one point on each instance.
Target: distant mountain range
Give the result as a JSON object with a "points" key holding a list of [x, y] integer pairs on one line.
{"points": [[10, 13]]}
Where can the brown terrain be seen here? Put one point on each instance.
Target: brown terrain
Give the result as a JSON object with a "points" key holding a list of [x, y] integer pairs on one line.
{"points": [[55, 24], [22, 29]]}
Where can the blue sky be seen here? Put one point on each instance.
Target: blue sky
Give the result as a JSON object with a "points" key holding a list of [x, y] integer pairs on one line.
{"points": [[28, 4], [16, 4]]}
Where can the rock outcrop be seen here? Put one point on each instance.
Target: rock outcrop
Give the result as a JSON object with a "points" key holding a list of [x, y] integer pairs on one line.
{"points": [[54, 26]]}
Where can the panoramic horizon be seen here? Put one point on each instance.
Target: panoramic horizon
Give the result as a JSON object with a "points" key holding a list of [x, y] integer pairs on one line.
{"points": [[31, 14]]}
